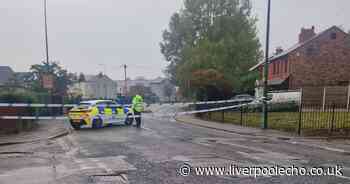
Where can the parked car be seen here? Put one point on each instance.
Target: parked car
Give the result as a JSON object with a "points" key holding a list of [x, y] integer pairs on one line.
{"points": [[99, 113], [244, 98]]}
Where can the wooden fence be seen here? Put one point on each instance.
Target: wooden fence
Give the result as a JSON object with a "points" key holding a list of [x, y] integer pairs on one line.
{"points": [[325, 96]]}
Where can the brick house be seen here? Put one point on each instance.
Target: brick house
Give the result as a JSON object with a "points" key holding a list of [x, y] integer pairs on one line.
{"points": [[316, 60]]}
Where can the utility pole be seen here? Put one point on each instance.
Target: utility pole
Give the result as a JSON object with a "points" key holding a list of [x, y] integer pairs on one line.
{"points": [[46, 37], [125, 81], [47, 77], [266, 69], [104, 68]]}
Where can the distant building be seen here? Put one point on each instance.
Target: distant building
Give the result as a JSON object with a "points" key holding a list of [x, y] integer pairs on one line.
{"points": [[6, 74], [96, 87], [157, 86], [9, 78], [316, 60], [23, 78]]}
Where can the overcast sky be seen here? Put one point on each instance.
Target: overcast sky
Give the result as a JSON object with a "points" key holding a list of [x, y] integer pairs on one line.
{"points": [[83, 34]]}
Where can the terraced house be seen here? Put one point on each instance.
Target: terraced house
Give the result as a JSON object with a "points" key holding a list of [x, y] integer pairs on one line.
{"points": [[321, 59]]}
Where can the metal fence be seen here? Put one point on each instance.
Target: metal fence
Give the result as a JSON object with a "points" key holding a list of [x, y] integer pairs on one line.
{"points": [[303, 119], [334, 118]]}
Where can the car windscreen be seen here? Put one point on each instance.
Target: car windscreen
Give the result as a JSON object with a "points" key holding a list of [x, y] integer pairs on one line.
{"points": [[84, 105]]}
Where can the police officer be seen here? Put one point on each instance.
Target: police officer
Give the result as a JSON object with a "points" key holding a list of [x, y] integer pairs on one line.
{"points": [[137, 106]]}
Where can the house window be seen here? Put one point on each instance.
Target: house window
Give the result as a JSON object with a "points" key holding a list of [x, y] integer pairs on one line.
{"points": [[281, 65], [333, 36], [286, 66], [310, 51], [313, 50], [274, 68], [343, 83], [347, 41]]}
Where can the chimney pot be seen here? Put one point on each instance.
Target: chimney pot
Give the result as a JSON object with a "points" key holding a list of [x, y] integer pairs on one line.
{"points": [[279, 50], [306, 34]]}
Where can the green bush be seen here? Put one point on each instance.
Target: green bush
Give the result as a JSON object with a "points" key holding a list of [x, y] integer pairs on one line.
{"points": [[273, 107], [284, 107], [17, 97]]}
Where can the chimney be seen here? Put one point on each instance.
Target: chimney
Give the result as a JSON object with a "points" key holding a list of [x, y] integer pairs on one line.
{"points": [[279, 50], [306, 34]]}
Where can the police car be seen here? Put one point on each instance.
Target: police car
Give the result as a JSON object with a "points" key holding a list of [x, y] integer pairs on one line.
{"points": [[99, 113]]}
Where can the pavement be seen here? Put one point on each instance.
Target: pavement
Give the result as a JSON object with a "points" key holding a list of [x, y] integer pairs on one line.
{"points": [[336, 145], [156, 153], [46, 129], [233, 128]]}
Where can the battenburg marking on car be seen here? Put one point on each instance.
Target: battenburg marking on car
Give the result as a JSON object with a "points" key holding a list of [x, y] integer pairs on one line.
{"points": [[99, 113]]}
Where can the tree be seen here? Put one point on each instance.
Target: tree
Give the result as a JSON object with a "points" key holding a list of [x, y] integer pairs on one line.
{"points": [[81, 78], [210, 36], [169, 90], [62, 78], [139, 89], [145, 92], [173, 43]]}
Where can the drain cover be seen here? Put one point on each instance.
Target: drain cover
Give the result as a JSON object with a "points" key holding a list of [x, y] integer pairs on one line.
{"points": [[118, 179]]}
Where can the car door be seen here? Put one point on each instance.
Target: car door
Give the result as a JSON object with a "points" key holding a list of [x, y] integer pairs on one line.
{"points": [[108, 112], [120, 114], [112, 112], [103, 112]]}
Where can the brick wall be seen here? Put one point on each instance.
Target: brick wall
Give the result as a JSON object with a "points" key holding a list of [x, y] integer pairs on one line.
{"points": [[322, 62], [11, 125]]}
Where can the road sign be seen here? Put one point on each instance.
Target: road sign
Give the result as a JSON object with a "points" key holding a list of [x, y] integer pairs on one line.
{"points": [[47, 81]]}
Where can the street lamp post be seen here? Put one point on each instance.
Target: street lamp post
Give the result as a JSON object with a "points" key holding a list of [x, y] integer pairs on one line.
{"points": [[266, 69], [46, 39], [125, 81]]}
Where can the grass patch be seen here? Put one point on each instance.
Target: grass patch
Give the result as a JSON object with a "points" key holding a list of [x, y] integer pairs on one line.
{"points": [[287, 121]]}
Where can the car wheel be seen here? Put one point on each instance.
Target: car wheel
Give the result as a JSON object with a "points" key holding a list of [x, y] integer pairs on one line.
{"points": [[129, 120], [75, 126], [97, 123]]}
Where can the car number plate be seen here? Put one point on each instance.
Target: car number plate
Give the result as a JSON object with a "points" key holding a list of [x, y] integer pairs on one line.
{"points": [[76, 120]]}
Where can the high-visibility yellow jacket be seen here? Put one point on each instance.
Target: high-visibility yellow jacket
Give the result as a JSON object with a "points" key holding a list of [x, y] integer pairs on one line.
{"points": [[137, 103]]}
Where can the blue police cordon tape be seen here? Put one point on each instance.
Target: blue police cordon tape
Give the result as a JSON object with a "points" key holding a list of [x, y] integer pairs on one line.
{"points": [[73, 105], [210, 110], [45, 117], [133, 116], [51, 105]]}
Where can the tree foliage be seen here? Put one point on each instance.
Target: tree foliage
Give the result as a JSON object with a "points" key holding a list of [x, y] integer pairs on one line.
{"points": [[62, 78], [145, 92], [216, 41], [169, 90], [81, 78]]}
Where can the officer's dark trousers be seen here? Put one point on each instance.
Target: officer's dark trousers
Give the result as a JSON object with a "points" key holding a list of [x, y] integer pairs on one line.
{"points": [[138, 119]]}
